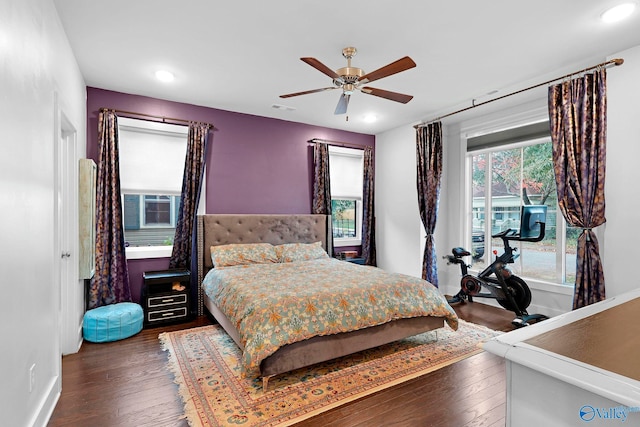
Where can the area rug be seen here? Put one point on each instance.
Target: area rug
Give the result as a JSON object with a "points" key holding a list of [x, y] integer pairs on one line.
{"points": [[206, 364]]}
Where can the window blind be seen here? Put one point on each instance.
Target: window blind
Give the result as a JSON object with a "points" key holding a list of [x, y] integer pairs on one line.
{"points": [[509, 136], [152, 156], [345, 170]]}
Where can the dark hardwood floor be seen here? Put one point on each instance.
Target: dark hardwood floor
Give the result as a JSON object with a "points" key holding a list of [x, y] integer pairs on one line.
{"points": [[125, 383]]}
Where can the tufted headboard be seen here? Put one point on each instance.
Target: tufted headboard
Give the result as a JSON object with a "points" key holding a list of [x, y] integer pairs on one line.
{"points": [[224, 229]]}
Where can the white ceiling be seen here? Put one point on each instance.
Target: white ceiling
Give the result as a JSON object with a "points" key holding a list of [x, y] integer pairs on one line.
{"points": [[241, 55]]}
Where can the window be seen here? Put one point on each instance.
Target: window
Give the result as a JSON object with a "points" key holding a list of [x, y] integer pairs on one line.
{"points": [[346, 170], [503, 177], [344, 218], [158, 211], [151, 168], [150, 220]]}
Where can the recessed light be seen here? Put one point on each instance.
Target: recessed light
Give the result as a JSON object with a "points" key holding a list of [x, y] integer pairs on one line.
{"points": [[618, 13], [370, 118], [164, 76]]}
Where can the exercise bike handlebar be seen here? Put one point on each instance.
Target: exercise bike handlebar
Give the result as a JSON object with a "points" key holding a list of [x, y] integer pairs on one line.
{"points": [[510, 234]]}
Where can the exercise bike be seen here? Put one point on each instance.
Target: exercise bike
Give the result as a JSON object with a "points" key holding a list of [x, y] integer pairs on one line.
{"points": [[509, 290]]}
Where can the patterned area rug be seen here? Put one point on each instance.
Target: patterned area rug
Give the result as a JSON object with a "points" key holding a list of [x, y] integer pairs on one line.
{"points": [[206, 365]]}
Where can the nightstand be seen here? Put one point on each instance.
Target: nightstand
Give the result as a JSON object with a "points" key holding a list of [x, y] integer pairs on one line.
{"points": [[165, 296]]}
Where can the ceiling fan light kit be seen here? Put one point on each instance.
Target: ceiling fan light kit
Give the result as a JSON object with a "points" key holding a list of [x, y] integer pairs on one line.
{"points": [[350, 79]]}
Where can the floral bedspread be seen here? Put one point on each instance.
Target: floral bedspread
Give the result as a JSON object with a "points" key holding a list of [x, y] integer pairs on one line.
{"points": [[272, 305]]}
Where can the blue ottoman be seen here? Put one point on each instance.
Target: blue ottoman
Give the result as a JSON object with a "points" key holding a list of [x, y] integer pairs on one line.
{"points": [[112, 322]]}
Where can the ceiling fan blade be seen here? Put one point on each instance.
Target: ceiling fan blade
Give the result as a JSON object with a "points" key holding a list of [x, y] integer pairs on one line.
{"points": [[321, 67], [306, 92], [388, 70], [394, 96], [343, 103]]}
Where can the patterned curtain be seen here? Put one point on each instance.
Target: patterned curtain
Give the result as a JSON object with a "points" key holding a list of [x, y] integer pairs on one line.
{"points": [[368, 212], [429, 163], [184, 238], [321, 203], [578, 121], [110, 284]]}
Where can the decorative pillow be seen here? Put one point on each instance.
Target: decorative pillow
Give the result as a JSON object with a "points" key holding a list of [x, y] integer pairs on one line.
{"points": [[242, 254], [292, 252]]}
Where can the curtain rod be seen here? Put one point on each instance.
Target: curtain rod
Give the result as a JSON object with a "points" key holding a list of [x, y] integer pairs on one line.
{"points": [[151, 116], [339, 143], [616, 62]]}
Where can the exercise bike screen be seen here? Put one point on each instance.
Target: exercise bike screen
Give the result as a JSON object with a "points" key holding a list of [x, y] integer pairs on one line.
{"points": [[530, 217]]}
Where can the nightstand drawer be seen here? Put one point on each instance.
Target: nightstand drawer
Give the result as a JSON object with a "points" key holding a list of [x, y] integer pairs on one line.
{"points": [[160, 301], [166, 296], [356, 260], [164, 315]]}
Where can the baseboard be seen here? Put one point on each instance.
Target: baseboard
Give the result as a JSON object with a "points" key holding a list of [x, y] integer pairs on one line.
{"points": [[74, 343], [547, 311], [48, 403]]}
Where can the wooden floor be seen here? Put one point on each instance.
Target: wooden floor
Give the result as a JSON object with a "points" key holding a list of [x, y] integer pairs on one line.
{"points": [[125, 383]]}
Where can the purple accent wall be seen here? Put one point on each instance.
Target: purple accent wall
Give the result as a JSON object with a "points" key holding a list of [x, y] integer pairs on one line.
{"points": [[254, 164], [137, 267]]}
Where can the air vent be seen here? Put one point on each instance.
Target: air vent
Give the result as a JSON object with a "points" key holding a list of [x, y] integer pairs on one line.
{"points": [[282, 107]]}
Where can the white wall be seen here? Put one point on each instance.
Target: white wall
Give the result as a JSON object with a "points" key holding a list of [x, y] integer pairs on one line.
{"points": [[398, 226], [622, 192], [449, 234], [398, 222], [35, 63], [400, 237]]}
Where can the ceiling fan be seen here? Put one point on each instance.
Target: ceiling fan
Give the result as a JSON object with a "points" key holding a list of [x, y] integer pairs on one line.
{"points": [[350, 79]]}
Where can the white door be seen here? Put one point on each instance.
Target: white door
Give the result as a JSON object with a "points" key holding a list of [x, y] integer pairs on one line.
{"points": [[71, 303]]}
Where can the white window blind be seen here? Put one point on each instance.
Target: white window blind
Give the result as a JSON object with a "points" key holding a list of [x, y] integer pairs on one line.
{"points": [[346, 172], [152, 156], [509, 136]]}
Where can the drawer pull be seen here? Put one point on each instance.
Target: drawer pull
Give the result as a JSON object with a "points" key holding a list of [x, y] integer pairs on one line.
{"points": [[168, 314], [168, 300]]}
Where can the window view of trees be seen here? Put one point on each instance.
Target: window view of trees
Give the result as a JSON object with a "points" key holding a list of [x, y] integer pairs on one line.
{"points": [[343, 216], [520, 176]]}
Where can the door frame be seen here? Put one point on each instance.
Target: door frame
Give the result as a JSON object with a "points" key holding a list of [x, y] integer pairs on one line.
{"points": [[71, 292]]}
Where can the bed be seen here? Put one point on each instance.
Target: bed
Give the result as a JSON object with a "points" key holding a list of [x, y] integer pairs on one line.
{"points": [[292, 232]]}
